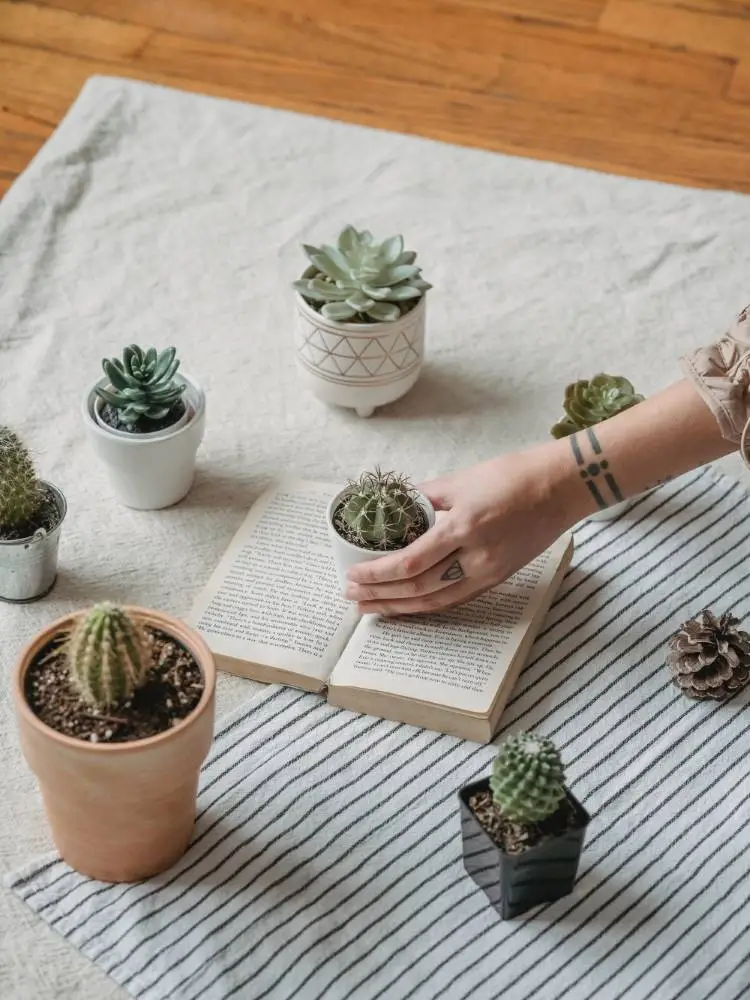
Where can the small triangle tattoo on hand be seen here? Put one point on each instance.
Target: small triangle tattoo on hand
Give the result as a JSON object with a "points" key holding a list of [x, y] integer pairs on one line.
{"points": [[454, 572]]}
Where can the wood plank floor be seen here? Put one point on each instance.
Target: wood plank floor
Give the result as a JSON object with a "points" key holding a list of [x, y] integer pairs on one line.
{"points": [[649, 88]]}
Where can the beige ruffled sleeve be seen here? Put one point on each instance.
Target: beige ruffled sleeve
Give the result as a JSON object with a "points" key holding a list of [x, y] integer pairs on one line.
{"points": [[721, 374]]}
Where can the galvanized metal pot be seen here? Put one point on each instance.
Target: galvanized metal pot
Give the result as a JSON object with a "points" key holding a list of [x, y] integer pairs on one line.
{"points": [[28, 566]]}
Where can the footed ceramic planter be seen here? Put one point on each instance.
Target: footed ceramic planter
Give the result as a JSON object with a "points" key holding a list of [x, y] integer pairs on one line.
{"points": [[345, 553], [119, 812], [149, 471], [359, 365], [28, 566], [515, 883]]}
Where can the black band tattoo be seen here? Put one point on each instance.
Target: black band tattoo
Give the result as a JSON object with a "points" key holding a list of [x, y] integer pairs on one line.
{"points": [[591, 471], [454, 572]]}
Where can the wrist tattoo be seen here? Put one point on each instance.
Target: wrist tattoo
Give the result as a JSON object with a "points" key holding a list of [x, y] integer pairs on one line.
{"points": [[594, 470]]}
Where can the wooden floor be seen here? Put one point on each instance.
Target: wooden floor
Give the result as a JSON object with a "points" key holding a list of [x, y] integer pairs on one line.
{"points": [[651, 88]]}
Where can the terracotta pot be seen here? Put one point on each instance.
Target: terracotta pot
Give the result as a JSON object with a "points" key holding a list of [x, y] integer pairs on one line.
{"points": [[120, 812]]}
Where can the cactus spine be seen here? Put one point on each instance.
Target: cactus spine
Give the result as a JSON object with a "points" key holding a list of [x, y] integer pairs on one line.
{"points": [[527, 778], [381, 511], [21, 493], [108, 655]]}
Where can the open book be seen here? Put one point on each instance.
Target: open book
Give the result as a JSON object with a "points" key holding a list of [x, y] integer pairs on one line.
{"points": [[273, 611]]}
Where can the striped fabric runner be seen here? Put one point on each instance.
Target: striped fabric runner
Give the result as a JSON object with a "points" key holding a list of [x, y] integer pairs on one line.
{"points": [[326, 861]]}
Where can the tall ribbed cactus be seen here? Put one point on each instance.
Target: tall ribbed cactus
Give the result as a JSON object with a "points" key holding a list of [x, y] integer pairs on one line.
{"points": [[381, 511], [21, 493], [527, 778], [108, 655]]}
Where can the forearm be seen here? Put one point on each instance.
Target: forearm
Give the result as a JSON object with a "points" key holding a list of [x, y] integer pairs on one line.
{"points": [[668, 434]]}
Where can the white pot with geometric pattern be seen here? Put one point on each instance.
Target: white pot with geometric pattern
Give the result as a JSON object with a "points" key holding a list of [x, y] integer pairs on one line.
{"points": [[359, 365]]}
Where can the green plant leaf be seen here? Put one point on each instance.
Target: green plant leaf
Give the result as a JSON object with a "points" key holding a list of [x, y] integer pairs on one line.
{"points": [[164, 361], [384, 312], [348, 241], [338, 311], [403, 292], [391, 249]]}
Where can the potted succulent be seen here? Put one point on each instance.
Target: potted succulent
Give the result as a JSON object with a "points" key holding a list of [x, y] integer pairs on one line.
{"points": [[31, 515], [115, 709], [146, 424], [590, 401], [378, 513], [360, 328], [522, 829]]}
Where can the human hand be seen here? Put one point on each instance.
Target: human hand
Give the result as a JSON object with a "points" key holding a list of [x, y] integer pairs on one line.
{"points": [[492, 519]]}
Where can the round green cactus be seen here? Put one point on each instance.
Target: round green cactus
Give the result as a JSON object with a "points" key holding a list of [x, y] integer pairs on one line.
{"points": [[142, 385], [108, 655], [527, 778], [21, 493], [588, 402], [360, 279], [381, 511]]}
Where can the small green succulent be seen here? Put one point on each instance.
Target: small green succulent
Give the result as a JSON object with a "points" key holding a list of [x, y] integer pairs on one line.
{"points": [[108, 655], [527, 778], [381, 511], [360, 279], [588, 402], [143, 387], [21, 493]]}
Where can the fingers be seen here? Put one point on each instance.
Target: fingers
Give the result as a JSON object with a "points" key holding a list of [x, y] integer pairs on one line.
{"points": [[417, 558], [440, 600], [438, 492], [447, 573]]}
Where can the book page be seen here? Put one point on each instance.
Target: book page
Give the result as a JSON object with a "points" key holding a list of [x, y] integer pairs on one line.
{"points": [[274, 598], [457, 658]]}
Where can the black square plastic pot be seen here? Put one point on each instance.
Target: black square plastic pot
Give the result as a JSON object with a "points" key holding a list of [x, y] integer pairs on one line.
{"points": [[514, 883]]}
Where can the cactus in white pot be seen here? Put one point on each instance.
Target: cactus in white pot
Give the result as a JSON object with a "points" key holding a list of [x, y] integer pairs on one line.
{"points": [[374, 514], [360, 320]]}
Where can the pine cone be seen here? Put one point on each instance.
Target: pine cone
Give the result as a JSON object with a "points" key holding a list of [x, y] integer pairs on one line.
{"points": [[709, 657]]}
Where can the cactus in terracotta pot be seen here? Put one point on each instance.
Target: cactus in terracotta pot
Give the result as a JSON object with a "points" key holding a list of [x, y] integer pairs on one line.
{"points": [[361, 280], [21, 493], [381, 511], [590, 401], [108, 655], [527, 780]]}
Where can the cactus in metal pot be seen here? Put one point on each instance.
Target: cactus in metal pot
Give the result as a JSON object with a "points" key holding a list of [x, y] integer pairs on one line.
{"points": [[527, 778], [360, 279], [588, 402], [21, 493], [381, 511], [142, 384], [108, 655]]}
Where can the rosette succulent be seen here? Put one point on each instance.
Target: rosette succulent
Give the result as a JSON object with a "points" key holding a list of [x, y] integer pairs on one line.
{"points": [[142, 388], [588, 402], [21, 493], [108, 655], [360, 279], [527, 778], [381, 511]]}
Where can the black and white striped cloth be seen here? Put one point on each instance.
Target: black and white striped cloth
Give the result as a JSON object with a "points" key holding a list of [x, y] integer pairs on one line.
{"points": [[327, 856]]}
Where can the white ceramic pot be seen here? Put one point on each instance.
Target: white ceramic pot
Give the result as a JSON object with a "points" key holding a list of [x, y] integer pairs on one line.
{"points": [[346, 554], [149, 471], [357, 365]]}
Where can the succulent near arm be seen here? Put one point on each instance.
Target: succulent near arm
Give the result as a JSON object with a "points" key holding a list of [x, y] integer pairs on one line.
{"points": [[527, 778], [361, 278], [21, 493], [381, 511], [588, 403], [142, 384], [108, 655]]}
